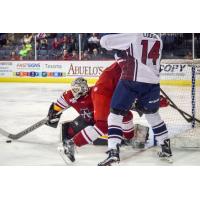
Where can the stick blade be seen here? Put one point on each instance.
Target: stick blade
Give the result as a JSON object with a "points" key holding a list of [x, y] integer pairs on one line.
{"points": [[5, 133]]}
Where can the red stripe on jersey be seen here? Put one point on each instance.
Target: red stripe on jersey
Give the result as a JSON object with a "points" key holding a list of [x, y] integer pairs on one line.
{"points": [[87, 135], [98, 131], [60, 104]]}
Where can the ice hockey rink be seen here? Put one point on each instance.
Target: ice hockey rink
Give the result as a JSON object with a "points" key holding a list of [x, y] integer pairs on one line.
{"points": [[23, 104]]}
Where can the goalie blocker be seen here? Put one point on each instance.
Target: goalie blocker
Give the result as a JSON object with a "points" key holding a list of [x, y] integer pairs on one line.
{"points": [[70, 128]]}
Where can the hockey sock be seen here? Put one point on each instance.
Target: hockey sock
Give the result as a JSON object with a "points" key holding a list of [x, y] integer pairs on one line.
{"points": [[114, 130], [79, 140], [158, 126], [160, 132]]}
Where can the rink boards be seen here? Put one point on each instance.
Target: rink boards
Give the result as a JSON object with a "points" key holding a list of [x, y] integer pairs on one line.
{"points": [[66, 71]]}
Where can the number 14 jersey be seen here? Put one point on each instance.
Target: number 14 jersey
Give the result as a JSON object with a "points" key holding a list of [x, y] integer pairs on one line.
{"points": [[141, 60]]}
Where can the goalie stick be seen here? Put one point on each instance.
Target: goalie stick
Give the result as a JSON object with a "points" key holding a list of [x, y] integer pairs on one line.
{"points": [[24, 132], [185, 115], [27, 130]]}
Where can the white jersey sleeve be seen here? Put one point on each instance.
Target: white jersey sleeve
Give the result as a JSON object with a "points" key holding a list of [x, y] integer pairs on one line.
{"points": [[62, 102], [118, 41]]}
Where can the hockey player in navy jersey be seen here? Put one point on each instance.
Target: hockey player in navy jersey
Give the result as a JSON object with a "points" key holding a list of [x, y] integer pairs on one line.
{"points": [[139, 57]]}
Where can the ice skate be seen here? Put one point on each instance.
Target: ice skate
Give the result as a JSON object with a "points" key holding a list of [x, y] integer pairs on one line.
{"points": [[67, 150], [113, 157], [166, 153]]}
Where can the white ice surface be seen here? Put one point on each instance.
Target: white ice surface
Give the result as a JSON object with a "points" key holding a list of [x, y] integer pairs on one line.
{"points": [[22, 104]]}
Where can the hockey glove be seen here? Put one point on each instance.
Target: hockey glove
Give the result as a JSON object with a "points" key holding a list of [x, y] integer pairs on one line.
{"points": [[164, 102], [53, 116]]}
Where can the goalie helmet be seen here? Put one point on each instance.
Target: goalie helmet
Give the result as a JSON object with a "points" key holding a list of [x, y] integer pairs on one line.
{"points": [[79, 87]]}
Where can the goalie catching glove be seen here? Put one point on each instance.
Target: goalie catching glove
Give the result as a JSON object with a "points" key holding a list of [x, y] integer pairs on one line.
{"points": [[54, 116]]}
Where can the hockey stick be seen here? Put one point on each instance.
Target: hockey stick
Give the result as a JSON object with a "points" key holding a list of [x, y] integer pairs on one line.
{"points": [[24, 132], [189, 118], [27, 130]]}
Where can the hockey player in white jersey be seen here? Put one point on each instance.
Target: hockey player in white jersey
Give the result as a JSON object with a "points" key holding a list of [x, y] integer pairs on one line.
{"points": [[139, 57]]}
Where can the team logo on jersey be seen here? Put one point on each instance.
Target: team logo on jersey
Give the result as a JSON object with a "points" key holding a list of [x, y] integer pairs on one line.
{"points": [[86, 113], [73, 100]]}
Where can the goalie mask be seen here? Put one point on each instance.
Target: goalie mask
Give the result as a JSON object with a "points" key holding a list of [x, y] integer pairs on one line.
{"points": [[79, 87]]}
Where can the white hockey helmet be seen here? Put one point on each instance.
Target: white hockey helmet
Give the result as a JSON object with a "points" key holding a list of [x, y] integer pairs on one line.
{"points": [[79, 87]]}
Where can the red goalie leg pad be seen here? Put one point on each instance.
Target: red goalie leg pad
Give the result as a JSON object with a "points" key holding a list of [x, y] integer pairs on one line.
{"points": [[79, 140]]}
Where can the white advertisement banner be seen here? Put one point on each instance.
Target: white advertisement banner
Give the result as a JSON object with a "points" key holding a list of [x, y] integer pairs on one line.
{"points": [[88, 69], [177, 72], [6, 69], [52, 69]]}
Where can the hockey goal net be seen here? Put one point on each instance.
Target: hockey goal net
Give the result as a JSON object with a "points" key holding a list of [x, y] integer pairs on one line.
{"points": [[180, 81]]}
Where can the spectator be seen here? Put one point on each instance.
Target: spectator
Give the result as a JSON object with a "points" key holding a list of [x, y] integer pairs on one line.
{"points": [[3, 39], [93, 42], [43, 44], [103, 55], [72, 46], [74, 55], [65, 55], [65, 41], [86, 56], [13, 56], [27, 46], [24, 51], [55, 44], [95, 55], [27, 38], [175, 45], [93, 39]]}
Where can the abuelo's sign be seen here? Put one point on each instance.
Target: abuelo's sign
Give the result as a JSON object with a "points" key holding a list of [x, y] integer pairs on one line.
{"points": [[55, 69], [85, 70]]}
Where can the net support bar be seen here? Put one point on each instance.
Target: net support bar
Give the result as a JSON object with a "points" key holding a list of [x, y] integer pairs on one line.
{"points": [[193, 94]]}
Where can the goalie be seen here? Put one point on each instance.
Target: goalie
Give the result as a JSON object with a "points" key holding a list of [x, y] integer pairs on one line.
{"points": [[92, 103]]}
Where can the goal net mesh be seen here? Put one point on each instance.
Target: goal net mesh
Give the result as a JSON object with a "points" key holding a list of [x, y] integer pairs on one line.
{"points": [[180, 80]]}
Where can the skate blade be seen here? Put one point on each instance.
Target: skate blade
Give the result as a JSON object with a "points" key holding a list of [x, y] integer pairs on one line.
{"points": [[110, 163], [63, 156], [115, 163], [168, 159]]}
